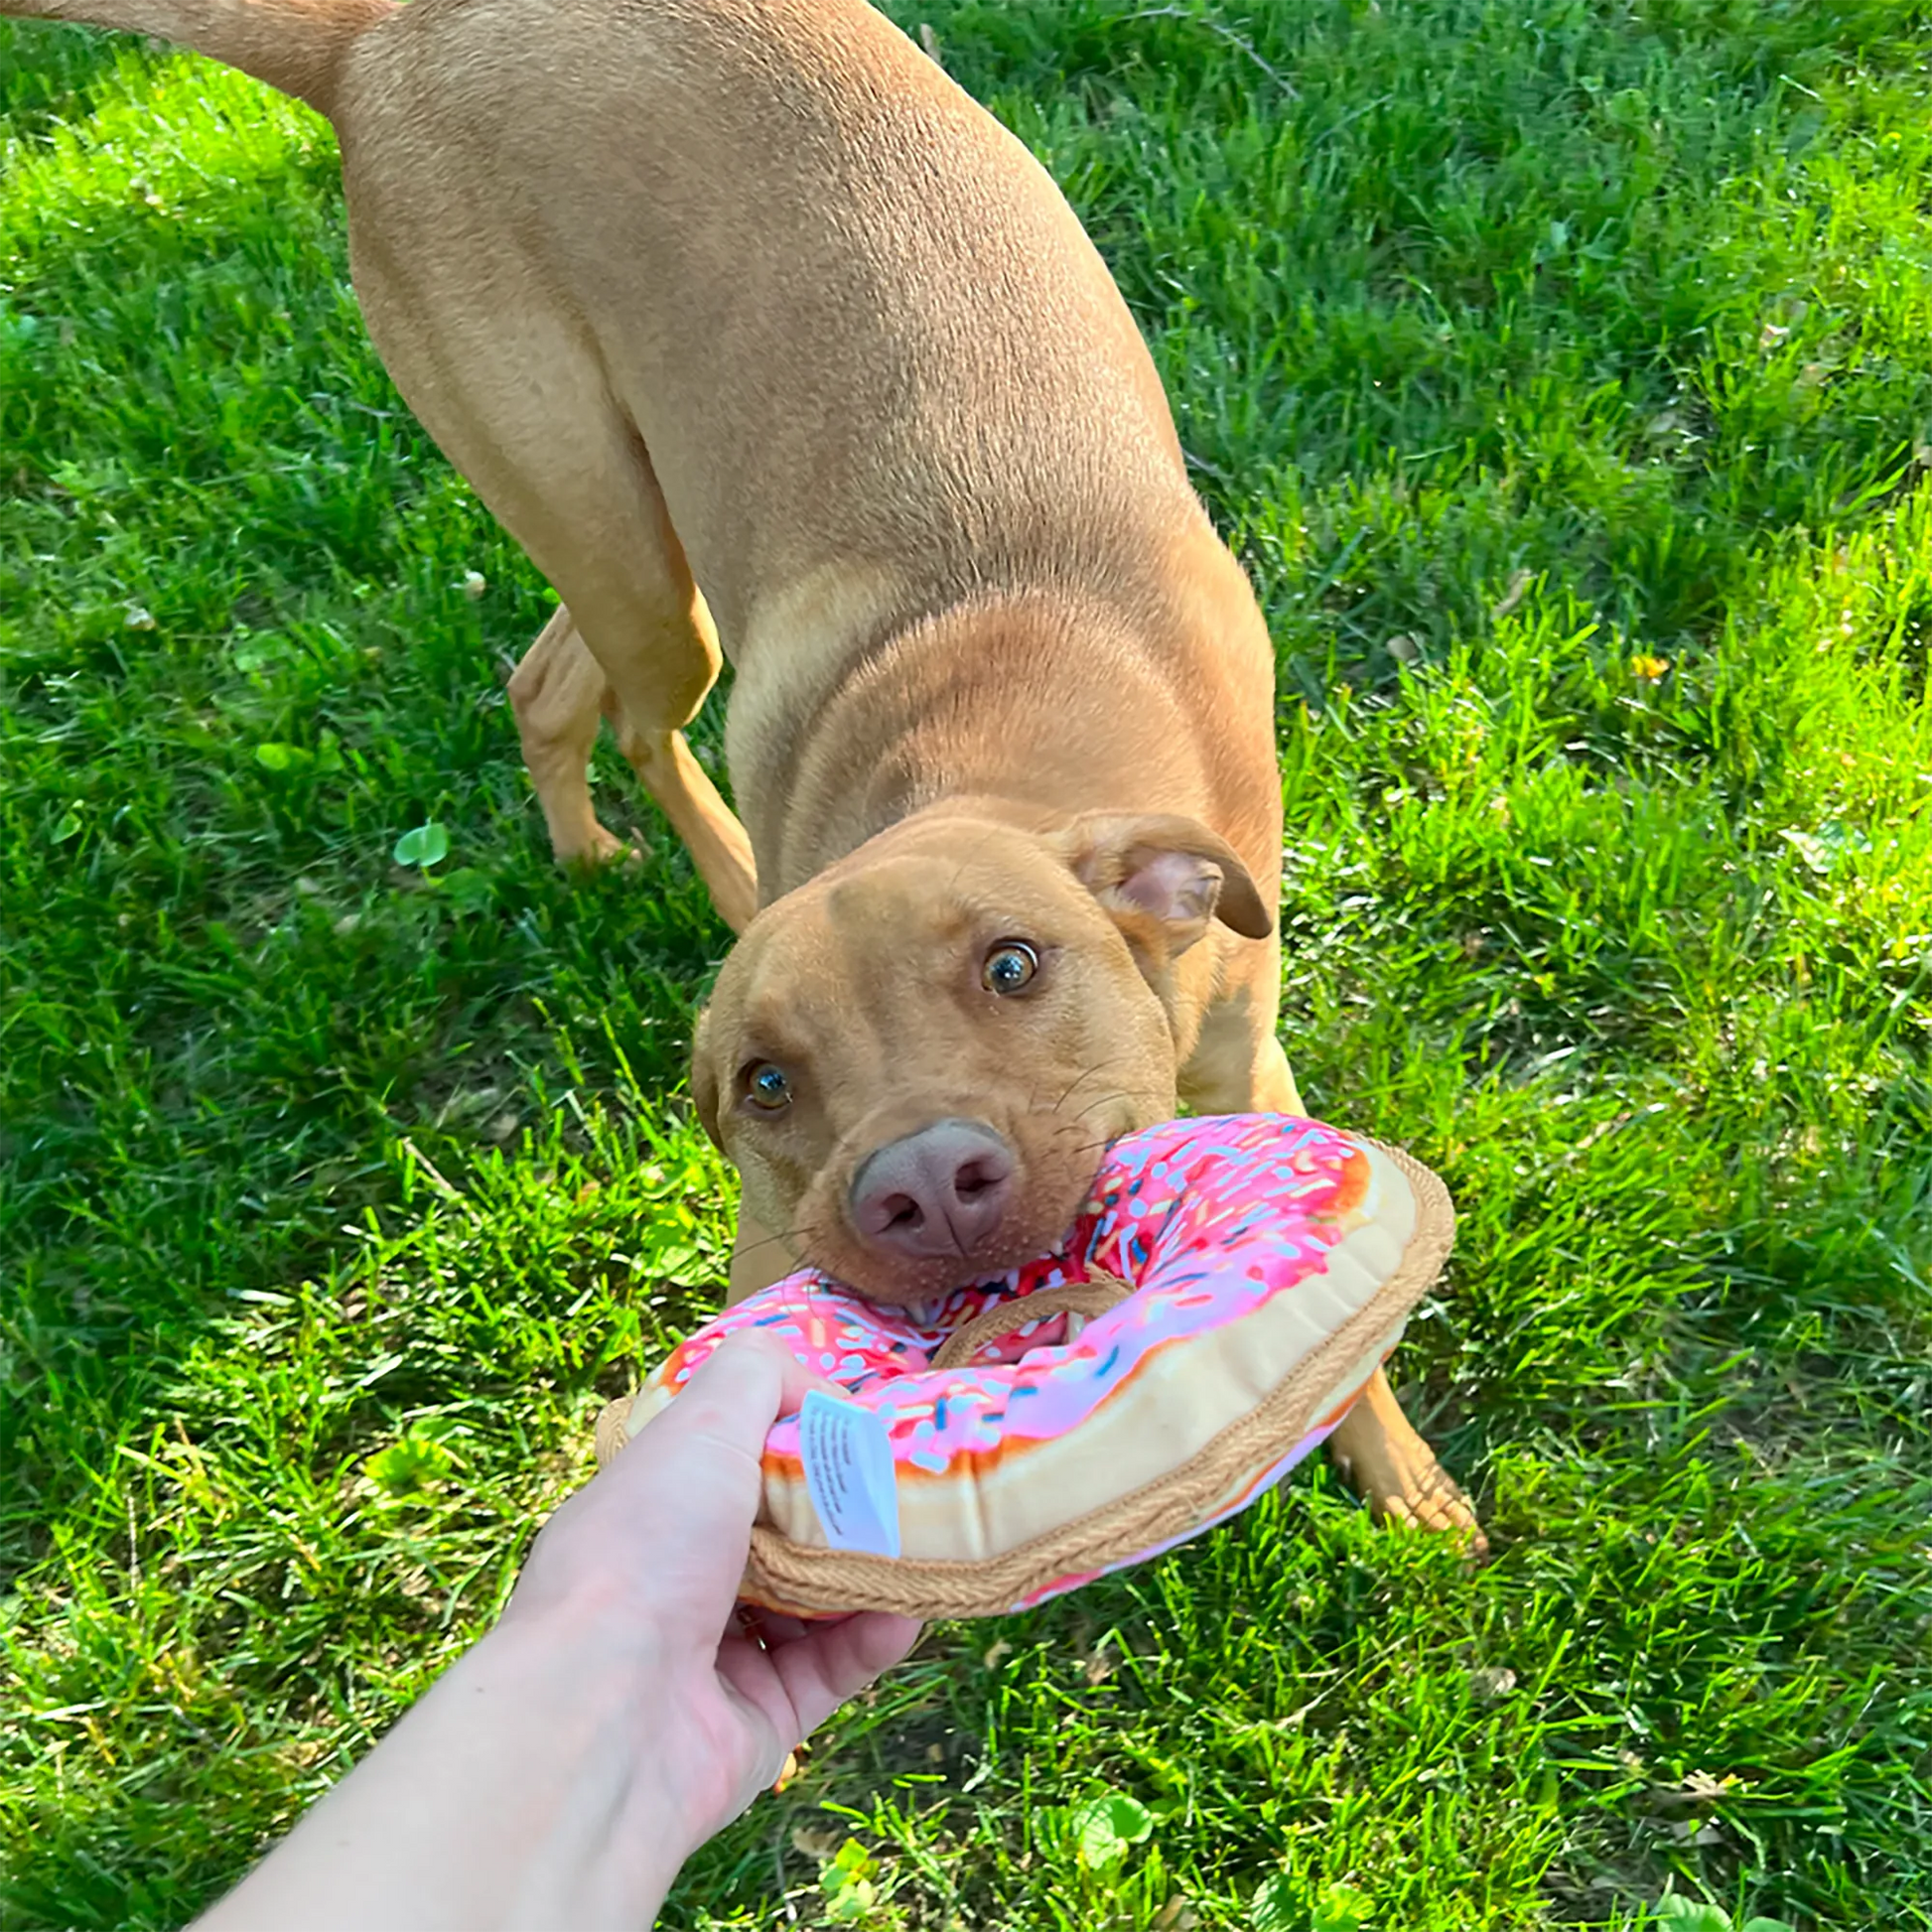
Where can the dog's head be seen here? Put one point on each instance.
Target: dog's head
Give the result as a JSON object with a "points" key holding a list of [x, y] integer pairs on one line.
{"points": [[916, 1060]]}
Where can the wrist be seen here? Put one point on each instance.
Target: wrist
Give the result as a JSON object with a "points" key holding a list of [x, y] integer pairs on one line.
{"points": [[514, 1797], [595, 1758]]}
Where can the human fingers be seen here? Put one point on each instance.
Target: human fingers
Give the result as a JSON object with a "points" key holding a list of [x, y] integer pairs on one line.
{"points": [[745, 1385], [685, 1493], [692, 1477], [769, 1628], [834, 1662], [696, 1463], [790, 1689]]}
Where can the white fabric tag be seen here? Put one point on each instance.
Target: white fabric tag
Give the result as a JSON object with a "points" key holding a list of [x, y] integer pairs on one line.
{"points": [[848, 1458]]}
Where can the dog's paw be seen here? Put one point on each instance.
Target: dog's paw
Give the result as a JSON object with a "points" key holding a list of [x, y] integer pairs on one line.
{"points": [[1430, 1500], [600, 848], [1402, 1483]]}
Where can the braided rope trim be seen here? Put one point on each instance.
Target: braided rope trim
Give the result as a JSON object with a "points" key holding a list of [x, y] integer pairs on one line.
{"points": [[1094, 1296]]}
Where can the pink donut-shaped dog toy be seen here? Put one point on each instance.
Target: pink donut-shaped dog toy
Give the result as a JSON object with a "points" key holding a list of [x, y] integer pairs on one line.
{"points": [[1223, 1297]]}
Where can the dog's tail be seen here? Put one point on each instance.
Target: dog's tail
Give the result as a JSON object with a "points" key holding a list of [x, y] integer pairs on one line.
{"points": [[296, 46]]}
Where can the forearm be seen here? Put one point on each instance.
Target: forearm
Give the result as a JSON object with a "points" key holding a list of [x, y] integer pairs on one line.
{"points": [[532, 1787], [563, 1769]]}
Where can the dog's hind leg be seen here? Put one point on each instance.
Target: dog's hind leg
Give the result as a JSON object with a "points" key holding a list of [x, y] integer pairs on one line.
{"points": [[518, 398], [559, 694], [719, 844]]}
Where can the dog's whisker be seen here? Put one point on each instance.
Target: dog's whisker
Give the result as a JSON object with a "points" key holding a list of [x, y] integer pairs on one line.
{"points": [[1092, 1146], [1105, 1100], [784, 1239], [1086, 1073]]}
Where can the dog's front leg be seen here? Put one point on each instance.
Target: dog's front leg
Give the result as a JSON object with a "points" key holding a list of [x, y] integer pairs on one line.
{"points": [[1390, 1467]]}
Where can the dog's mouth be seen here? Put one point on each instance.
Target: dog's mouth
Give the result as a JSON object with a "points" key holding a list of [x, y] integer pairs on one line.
{"points": [[955, 1201]]}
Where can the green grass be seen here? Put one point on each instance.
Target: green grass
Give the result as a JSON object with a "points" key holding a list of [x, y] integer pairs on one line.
{"points": [[1514, 347]]}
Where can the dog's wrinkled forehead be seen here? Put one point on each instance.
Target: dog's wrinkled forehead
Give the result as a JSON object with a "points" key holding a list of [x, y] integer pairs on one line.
{"points": [[908, 898], [861, 938], [946, 866]]}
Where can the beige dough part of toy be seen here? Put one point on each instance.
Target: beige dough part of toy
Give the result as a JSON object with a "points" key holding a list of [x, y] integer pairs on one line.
{"points": [[1224, 1296]]}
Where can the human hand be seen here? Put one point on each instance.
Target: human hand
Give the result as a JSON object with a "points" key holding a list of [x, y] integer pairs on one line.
{"points": [[564, 1768], [648, 1556]]}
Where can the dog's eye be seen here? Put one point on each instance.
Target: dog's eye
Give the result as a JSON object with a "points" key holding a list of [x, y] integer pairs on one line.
{"points": [[1009, 966], [767, 1087]]}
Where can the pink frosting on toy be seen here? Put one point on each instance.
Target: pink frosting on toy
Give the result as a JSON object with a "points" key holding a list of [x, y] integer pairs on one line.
{"points": [[1203, 1218]]}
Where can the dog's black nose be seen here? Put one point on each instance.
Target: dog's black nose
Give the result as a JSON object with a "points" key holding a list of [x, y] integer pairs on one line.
{"points": [[939, 1191]]}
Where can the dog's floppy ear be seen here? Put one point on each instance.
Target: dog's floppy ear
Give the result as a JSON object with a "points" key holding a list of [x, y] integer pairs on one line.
{"points": [[1169, 871]]}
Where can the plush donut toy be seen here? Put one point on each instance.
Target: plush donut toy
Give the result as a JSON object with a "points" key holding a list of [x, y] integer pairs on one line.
{"points": [[1223, 1297]]}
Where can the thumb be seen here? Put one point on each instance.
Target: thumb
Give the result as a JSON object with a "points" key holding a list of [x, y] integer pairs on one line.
{"points": [[671, 1515], [697, 1461]]}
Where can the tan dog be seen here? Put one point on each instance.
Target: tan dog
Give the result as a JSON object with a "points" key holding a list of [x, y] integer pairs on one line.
{"points": [[745, 294]]}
